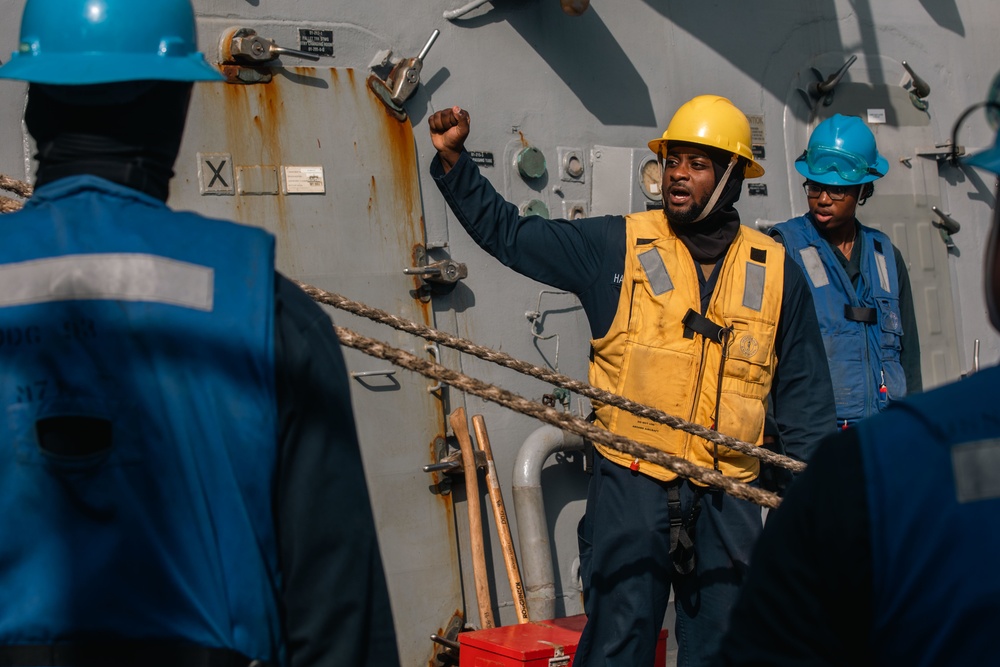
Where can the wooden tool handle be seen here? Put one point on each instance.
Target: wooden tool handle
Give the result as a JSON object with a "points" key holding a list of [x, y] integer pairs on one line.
{"points": [[500, 516], [461, 428]]}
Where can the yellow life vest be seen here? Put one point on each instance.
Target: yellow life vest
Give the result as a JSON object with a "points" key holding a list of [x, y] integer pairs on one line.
{"points": [[651, 357]]}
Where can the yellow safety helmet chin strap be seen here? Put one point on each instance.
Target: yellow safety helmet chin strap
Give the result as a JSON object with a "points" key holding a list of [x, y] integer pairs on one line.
{"points": [[718, 188]]}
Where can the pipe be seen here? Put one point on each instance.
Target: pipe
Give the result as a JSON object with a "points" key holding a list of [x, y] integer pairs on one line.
{"points": [[453, 14], [529, 510]]}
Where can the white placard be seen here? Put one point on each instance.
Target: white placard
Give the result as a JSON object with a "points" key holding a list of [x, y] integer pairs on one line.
{"points": [[876, 116], [304, 180]]}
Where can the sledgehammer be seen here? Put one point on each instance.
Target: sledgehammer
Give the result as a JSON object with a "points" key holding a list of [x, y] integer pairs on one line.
{"points": [[500, 516], [461, 428]]}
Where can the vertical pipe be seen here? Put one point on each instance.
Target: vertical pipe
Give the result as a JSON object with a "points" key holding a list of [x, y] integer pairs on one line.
{"points": [[529, 510]]}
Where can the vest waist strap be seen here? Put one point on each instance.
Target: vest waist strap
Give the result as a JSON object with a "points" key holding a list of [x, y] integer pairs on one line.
{"points": [[863, 315]]}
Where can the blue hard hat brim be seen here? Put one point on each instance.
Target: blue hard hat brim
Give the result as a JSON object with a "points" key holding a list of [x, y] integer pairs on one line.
{"points": [[84, 69], [834, 178]]}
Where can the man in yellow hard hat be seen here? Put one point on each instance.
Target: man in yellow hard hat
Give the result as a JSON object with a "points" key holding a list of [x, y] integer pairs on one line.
{"points": [[691, 313]]}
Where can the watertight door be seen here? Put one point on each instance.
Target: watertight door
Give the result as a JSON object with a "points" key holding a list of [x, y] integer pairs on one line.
{"points": [[313, 157]]}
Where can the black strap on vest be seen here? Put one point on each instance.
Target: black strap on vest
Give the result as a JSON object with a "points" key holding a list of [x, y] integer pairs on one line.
{"points": [[864, 315], [698, 323], [122, 654], [682, 552]]}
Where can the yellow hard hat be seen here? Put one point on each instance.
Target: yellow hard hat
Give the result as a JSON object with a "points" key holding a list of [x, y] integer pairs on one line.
{"points": [[710, 120]]}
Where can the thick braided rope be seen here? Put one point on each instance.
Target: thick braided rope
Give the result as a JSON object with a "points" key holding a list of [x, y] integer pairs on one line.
{"points": [[564, 420], [20, 188], [558, 379]]}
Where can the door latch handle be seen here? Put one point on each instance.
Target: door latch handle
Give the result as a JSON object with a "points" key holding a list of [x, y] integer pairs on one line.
{"points": [[947, 226], [245, 46], [445, 272]]}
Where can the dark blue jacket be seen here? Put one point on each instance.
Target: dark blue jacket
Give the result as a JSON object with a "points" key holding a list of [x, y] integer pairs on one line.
{"points": [[932, 477], [900, 567]]}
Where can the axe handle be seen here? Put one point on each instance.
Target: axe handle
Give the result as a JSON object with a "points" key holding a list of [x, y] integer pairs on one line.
{"points": [[461, 428], [500, 516]]}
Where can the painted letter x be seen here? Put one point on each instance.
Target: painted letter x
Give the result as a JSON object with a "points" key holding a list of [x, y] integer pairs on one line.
{"points": [[216, 175]]}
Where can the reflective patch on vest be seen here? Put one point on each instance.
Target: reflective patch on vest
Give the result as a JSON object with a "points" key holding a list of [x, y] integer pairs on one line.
{"points": [[112, 276], [883, 271], [976, 466], [656, 271], [814, 267], [753, 288]]}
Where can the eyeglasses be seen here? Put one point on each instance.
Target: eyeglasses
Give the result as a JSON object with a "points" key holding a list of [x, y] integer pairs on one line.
{"points": [[850, 166], [835, 192]]}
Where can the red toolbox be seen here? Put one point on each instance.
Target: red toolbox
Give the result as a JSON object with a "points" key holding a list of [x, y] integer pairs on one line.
{"points": [[537, 644]]}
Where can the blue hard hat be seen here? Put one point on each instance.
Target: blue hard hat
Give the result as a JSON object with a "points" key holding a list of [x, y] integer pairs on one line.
{"points": [[82, 42], [842, 151]]}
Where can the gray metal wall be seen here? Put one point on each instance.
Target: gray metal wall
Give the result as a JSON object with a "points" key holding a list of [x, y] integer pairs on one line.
{"points": [[596, 86]]}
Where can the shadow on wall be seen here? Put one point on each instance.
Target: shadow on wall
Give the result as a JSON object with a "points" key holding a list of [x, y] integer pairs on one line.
{"points": [[592, 63], [815, 26], [586, 56]]}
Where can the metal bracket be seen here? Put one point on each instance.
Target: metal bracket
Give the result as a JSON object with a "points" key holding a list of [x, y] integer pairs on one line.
{"points": [[436, 354], [941, 152], [402, 80]]}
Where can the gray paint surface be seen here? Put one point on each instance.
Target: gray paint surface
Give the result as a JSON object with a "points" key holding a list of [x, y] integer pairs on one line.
{"points": [[608, 81]]}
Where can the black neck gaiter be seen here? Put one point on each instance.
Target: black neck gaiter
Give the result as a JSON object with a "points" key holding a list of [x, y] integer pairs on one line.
{"points": [[133, 143], [708, 240]]}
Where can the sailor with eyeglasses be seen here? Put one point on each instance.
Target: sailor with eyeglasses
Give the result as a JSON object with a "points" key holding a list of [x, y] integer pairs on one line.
{"points": [[858, 278]]}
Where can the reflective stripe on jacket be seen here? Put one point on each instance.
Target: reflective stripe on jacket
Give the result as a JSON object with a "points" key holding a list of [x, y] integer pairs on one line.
{"points": [[154, 331], [650, 356], [861, 326]]}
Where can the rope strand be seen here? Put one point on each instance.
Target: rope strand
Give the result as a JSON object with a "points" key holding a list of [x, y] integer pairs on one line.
{"points": [[552, 377], [564, 420], [20, 188]]}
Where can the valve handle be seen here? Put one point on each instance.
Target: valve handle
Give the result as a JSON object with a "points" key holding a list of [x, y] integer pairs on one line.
{"points": [[822, 88], [428, 45], [292, 52], [920, 87]]}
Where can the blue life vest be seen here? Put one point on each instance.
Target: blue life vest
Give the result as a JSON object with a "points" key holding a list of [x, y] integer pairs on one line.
{"points": [[861, 327], [932, 477], [119, 313]]}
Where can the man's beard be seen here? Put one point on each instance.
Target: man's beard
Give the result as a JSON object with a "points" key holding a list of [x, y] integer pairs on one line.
{"points": [[689, 215]]}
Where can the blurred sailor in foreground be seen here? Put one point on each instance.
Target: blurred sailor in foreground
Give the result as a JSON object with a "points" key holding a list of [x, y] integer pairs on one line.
{"points": [[180, 474]]}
